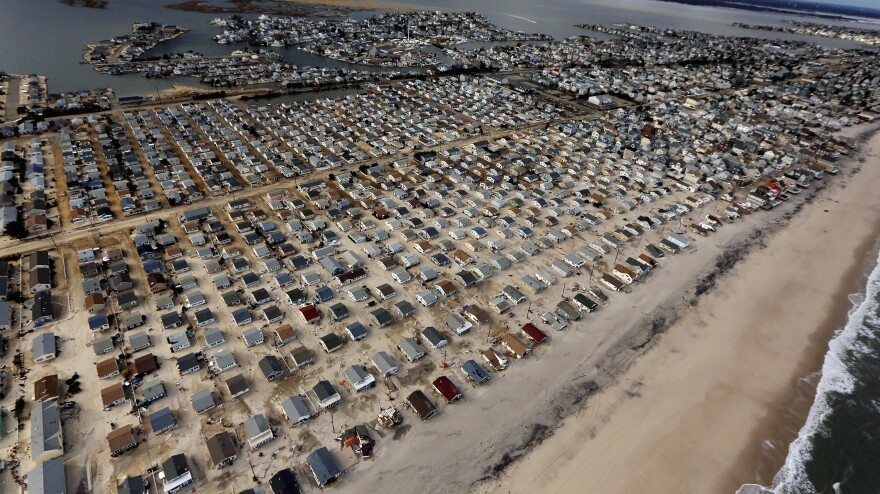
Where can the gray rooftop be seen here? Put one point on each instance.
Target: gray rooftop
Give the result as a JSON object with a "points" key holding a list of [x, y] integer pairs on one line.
{"points": [[48, 478], [46, 430]]}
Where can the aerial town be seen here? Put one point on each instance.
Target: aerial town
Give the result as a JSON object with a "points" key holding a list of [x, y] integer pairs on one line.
{"points": [[264, 296]]}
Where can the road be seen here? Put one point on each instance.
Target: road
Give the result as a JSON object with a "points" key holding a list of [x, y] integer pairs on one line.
{"points": [[12, 92]]}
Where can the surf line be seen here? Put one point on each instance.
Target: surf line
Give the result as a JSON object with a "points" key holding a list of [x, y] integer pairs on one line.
{"points": [[520, 18]]}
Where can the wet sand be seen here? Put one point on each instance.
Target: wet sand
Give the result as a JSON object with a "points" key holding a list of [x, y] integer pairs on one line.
{"points": [[716, 402]]}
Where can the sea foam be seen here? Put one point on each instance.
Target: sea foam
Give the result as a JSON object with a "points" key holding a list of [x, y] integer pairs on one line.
{"points": [[836, 378]]}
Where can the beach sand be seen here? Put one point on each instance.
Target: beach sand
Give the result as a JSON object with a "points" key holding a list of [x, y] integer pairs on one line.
{"points": [[718, 399]]}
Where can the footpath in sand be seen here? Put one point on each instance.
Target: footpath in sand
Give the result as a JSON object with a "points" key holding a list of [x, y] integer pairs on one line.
{"points": [[691, 415]]}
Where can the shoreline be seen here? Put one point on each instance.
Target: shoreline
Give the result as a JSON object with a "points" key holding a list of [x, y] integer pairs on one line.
{"points": [[766, 410], [772, 436]]}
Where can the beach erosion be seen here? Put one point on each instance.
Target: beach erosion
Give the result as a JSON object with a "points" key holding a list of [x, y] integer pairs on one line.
{"points": [[718, 399]]}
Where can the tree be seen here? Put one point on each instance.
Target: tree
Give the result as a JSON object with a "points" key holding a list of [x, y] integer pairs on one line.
{"points": [[16, 229]]}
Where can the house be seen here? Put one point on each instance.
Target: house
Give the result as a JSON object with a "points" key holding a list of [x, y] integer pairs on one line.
{"points": [[166, 302], [358, 294], [475, 372], [47, 388], [157, 282], [47, 477], [310, 314], [133, 485], [113, 395], [187, 364], [107, 368], [585, 303], [426, 298], [356, 331], [283, 482], [242, 316], [204, 317], [457, 324], [513, 294], [178, 341], [611, 282], [271, 367], [496, 361], [624, 274], [171, 320], [162, 421], [5, 316], [382, 317], [252, 337], [445, 288], [127, 300], [103, 345], [567, 311], [43, 347], [420, 403], [175, 474], [41, 311], [446, 388], [121, 440], [477, 314], [514, 346], [139, 341], [302, 356], [258, 431], [295, 409], [404, 308], [40, 279], [385, 291], [385, 364], [99, 322], [285, 334], [331, 342], [92, 286], [221, 449], [323, 467], [434, 337], [411, 349], [237, 385], [326, 394], [131, 321], [359, 378], [143, 365], [152, 390], [533, 333], [47, 440], [119, 282], [231, 298], [223, 361], [203, 401]]}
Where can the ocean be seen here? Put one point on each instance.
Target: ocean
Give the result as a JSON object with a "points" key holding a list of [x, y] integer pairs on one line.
{"points": [[838, 449]]}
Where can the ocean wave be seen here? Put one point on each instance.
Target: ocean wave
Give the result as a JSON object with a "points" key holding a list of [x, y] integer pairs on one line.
{"points": [[836, 379]]}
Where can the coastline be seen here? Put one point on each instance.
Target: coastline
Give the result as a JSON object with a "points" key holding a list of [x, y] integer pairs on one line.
{"points": [[723, 419]]}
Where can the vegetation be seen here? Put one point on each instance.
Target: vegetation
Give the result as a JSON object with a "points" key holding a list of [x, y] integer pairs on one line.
{"points": [[16, 229]]}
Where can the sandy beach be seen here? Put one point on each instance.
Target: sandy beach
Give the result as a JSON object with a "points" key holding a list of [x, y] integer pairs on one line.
{"points": [[718, 399]]}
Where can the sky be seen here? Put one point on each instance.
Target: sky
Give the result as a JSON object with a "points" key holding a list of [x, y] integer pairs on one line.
{"points": [[855, 3]]}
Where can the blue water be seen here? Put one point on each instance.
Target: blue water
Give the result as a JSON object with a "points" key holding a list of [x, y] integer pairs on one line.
{"points": [[838, 449], [47, 36]]}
